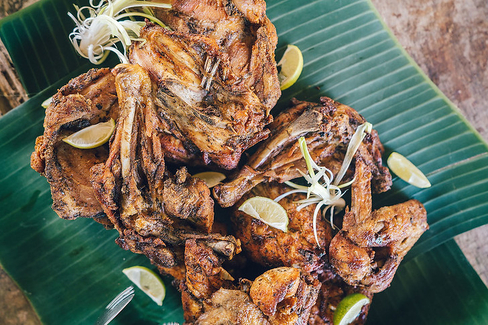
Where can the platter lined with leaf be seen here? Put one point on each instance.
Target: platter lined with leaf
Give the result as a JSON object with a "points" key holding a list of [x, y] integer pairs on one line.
{"points": [[69, 269]]}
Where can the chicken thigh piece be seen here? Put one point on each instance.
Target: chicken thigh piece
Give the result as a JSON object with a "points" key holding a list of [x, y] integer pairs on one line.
{"points": [[86, 100], [371, 244], [327, 127], [205, 112], [242, 32], [272, 247]]}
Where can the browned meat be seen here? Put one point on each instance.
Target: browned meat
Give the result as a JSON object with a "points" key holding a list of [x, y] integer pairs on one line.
{"points": [[232, 307], [204, 273], [332, 291], [269, 246], [201, 107], [85, 100], [133, 186], [286, 295], [371, 245], [242, 32], [282, 295], [327, 128]]}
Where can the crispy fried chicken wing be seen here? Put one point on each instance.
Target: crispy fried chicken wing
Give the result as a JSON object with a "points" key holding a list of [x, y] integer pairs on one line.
{"points": [[86, 100], [371, 244], [133, 186], [269, 246], [204, 112], [242, 32], [327, 128]]}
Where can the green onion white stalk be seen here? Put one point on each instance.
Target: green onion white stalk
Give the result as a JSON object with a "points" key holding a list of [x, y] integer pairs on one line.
{"points": [[100, 26], [323, 190]]}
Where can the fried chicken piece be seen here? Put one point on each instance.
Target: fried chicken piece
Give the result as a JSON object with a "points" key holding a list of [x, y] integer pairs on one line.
{"points": [[272, 247], [204, 274], [204, 113], [282, 295], [133, 186], [286, 295], [327, 128], [232, 307], [242, 31], [371, 244], [86, 100]]}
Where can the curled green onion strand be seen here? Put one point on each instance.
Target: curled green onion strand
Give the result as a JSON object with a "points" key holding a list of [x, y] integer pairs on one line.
{"points": [[323, 189], [100, 26], [353, 146]]}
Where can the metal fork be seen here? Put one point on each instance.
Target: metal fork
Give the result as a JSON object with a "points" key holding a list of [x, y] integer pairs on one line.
{"points": [[116, 306]]}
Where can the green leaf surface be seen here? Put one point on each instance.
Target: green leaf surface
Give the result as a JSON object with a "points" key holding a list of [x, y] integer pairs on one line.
{"points": [[70, 270], [437, 287]]}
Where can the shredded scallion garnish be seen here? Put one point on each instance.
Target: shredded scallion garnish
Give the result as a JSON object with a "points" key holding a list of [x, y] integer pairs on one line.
{"points": [[100, 26], [323, 190]]}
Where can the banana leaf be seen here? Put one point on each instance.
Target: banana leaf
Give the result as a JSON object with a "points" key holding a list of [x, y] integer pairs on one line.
{"points": [[69, 270]]}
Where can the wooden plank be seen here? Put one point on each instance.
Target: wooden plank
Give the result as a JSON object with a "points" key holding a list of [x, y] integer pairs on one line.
{"points": [[11, 89]]}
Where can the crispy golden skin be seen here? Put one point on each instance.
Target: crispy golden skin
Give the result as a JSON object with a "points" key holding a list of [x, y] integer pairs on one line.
{"points": [[232, 307], [327, 128], [86, 100], [272, 247], [371, 244], [242, 32], [207, 116], [283, 295], [134, 188], [204, 273]]}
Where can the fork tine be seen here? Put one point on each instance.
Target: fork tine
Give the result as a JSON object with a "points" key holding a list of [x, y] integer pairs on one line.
{"points": [[116, 305], [129, 290], [116, 300], [110, 315]]}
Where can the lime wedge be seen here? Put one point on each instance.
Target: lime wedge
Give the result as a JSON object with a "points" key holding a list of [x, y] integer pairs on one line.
{"points": [[92, 136], [291, 67], [407, 171], [349, 308], [47, 102], [210, 178], [148, 281], [266, 210]]}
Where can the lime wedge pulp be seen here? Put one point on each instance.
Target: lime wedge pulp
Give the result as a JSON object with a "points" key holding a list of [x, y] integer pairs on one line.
{"points": [[349, 308], [407, 171], [92, 136], [47, 102], [210, 178], [148, 281], [266, 210], [291, 66]]}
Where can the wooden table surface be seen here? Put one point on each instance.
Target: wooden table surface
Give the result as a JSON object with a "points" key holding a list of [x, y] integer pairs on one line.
{"points": [[449, 41]]}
